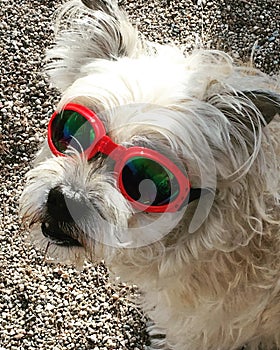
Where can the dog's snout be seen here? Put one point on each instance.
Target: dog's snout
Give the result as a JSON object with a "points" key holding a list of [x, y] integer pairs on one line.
{"points": [[63, 208], [62, 212]]}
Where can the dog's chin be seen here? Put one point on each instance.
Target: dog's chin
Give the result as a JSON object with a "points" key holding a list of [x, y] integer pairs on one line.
{"points": [[58, 244], [58, 236]]}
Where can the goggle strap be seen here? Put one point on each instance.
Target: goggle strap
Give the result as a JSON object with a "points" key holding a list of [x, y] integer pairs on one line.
{"points": [[195, 193]]}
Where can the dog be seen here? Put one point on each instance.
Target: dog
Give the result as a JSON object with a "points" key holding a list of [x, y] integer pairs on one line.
{"points": [[166, 165]]}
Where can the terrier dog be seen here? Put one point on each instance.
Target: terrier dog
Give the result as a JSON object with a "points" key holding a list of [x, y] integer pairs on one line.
{"points": [[166, 165]]}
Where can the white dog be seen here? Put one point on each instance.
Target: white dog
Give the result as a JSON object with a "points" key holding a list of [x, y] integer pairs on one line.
{"points": [[165, 165]]}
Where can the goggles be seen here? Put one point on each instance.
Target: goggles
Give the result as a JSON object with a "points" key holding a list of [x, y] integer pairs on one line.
{"points": [[145, 177]]}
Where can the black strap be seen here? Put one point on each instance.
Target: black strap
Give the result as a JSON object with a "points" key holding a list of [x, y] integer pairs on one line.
{"points": [[196, 193]]}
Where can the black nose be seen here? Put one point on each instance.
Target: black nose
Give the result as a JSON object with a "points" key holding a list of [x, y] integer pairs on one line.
{"points": [[63, 208]]}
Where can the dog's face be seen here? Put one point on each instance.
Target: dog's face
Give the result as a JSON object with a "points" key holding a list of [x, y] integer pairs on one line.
{"points": [[198, 111]]}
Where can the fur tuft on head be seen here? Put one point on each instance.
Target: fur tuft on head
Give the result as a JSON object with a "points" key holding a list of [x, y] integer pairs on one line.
{"points": [[87, 32]]}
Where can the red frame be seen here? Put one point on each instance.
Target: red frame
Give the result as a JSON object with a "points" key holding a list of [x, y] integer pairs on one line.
{"points": [[121, 155]]}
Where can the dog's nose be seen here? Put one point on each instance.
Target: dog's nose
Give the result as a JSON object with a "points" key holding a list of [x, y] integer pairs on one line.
{"points": [[62, 208]]}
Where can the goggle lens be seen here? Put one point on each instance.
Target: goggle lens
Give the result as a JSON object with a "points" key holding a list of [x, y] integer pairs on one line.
{"points": [[148, 182], [69, 128]]}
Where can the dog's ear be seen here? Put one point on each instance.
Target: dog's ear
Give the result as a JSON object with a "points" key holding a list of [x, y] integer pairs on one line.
{"points": [[268, 103], [87, 31], [248, 107]]}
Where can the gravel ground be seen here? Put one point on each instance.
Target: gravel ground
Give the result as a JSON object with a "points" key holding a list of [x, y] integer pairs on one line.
{"points": [[56, 307]]}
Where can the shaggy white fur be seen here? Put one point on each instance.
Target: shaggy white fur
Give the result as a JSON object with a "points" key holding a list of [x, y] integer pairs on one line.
{"points": [[209, 274]]}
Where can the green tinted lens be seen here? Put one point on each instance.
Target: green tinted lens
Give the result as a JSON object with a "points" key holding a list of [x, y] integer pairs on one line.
{"points": [[70, 128], [148, 182]]}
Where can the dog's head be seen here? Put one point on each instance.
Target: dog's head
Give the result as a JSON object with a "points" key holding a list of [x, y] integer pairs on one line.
{"points": [[199, 122]]}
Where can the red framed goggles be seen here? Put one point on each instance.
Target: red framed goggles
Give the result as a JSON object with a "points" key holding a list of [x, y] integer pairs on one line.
{"points": [[145, 177]]}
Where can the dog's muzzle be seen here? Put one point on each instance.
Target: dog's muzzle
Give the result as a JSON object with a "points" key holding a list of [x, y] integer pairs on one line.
{"points": [[61, 214]]}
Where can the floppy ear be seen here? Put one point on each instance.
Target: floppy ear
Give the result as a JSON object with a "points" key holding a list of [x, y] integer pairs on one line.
{"points": [[268, 103], [87, 31], [248, 107]]}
